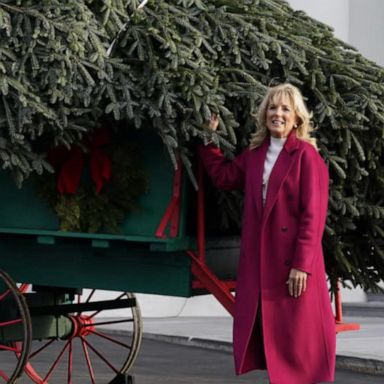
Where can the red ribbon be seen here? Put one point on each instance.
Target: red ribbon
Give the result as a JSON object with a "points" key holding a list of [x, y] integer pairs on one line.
{"points": [[69, 163]]}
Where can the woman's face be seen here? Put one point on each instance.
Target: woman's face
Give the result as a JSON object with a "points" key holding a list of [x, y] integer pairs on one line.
{"points": [[280, 117]]}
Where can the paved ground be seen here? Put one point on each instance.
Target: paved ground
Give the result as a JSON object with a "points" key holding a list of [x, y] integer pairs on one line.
{"points": [[170, 352], [366, 344], [175, 364], [168, 363]]}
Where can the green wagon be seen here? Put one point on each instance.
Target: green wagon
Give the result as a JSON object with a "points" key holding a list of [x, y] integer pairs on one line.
{"points": [[61, 299]]}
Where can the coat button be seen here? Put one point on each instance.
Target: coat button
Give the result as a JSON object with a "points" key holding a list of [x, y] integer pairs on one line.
{"points": [[284, 229], [287, 262]]}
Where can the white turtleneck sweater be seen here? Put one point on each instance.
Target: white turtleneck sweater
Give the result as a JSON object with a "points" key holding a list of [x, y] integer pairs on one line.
{"points": [[274, 149]]}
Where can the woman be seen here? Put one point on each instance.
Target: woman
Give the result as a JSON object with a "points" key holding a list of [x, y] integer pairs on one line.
{"points": [[283, 319]]}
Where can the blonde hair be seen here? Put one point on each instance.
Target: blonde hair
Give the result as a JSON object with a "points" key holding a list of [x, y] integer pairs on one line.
{"points": [[304, 125]]}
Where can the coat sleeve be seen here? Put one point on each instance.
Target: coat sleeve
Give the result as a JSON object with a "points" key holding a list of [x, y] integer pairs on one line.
{"points": [[313, 210], [225, 174]]}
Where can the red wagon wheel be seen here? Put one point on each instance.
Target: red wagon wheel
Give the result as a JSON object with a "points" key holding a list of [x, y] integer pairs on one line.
{"points": [[111, 339], [15, 325]]}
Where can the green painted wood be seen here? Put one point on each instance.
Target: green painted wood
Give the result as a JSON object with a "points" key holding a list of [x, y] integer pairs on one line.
{"points": [[74, 263], [49, 240], [177, 241], [97, 243]]}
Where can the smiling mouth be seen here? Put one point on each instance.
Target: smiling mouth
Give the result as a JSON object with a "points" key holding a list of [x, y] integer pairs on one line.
{"points": [[277, 122]]}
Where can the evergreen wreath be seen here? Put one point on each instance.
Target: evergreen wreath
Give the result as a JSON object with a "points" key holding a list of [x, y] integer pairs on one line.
{"points": [[94, 208]]}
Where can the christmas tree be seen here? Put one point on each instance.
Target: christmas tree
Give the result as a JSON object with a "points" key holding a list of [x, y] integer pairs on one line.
{"points": [[167, 64]]}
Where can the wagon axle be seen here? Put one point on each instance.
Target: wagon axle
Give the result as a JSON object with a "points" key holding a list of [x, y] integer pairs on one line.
{"points": [[82, 326]]}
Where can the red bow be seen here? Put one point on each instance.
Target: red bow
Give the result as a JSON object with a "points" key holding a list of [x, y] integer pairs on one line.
{"points": [[69, 163]]}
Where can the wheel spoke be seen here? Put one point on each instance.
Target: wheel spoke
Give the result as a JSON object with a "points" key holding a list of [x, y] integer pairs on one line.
{"points": [[70, 363], [89, 364], [8, 348], [90, 295], [5, 294], [10, 322], [111, 339], [100, 355], [100, 310], [23, 287], [120, 296], [41, 349], [4, 376], [56, 362]]}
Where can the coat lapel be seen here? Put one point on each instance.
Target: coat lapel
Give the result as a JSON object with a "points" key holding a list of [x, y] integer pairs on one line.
{"points": [[280, 171]]}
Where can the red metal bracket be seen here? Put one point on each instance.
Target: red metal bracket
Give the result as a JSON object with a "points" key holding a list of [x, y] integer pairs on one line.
{"points": [[206, 279], [340, 325], [172, 213], [212, 283]]}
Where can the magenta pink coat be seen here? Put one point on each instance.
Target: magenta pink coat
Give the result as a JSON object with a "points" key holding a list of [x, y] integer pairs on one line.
{"points": [[299, 334]]}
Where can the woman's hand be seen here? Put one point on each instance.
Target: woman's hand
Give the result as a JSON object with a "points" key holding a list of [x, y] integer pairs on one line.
{"points": [[214, 122], [297, 282]]}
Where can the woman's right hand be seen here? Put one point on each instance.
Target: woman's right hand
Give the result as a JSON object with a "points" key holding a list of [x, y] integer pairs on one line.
{"points": [[214, 122]]}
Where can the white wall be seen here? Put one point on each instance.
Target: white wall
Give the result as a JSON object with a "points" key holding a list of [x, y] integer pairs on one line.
{"points": [[366, 28], [358, 22], [334, 13]]}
